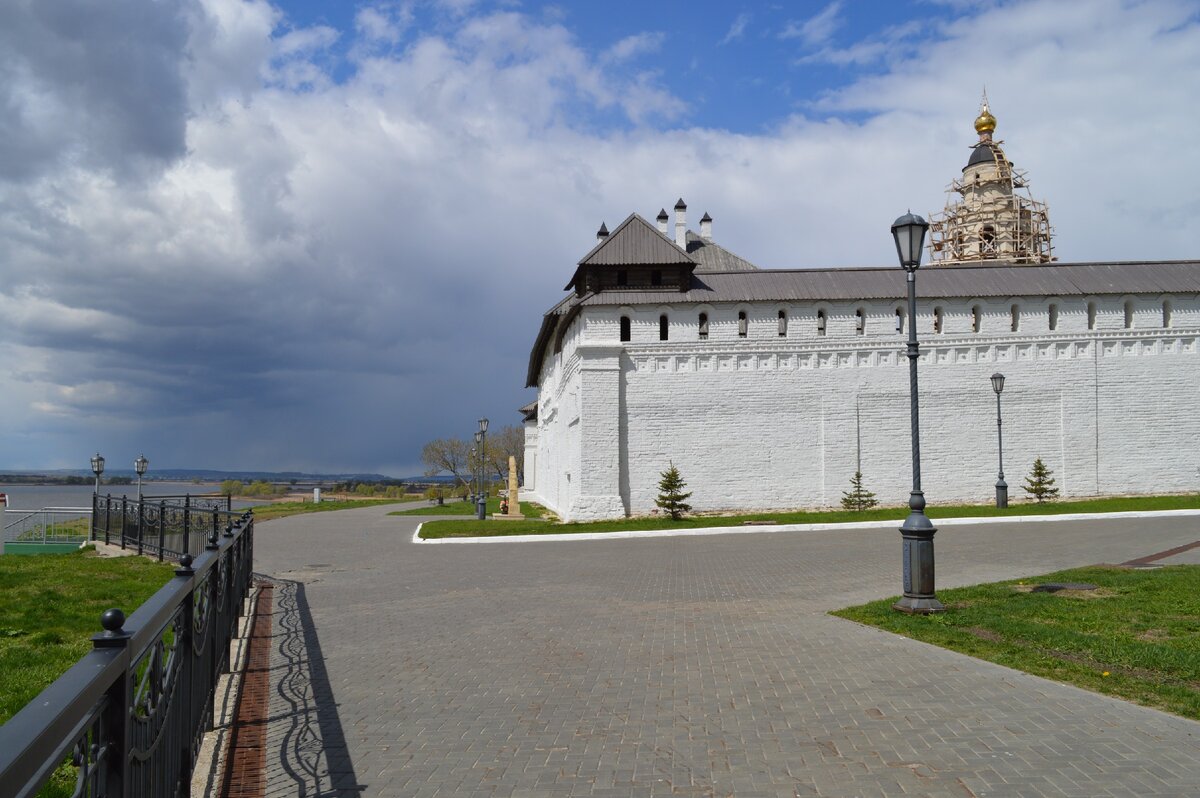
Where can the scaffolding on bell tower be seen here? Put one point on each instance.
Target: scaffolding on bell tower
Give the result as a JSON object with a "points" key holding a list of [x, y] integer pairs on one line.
{"points": [[993, 218]]}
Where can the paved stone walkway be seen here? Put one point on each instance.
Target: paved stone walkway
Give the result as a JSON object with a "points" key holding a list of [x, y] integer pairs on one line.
{"points": [[686, 666]]}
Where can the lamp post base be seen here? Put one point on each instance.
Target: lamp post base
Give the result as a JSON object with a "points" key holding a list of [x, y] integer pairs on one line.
{"points": [[917, 560], [1001, 493], [918, 606]]}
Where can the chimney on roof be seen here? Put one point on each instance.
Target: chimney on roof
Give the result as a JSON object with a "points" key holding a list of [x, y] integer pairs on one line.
{"points": [[706, 227], [662, 221], [681, 224], [602, 233]]}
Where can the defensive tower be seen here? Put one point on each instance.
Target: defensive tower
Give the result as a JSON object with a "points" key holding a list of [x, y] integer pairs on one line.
{"points": [[989, 215]]}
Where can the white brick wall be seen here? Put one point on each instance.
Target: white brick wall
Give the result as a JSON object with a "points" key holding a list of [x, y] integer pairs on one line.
{"points": [[769, 422]]}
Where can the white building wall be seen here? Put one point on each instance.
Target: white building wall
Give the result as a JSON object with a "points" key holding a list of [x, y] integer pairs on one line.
{"points": [[770, 422]]}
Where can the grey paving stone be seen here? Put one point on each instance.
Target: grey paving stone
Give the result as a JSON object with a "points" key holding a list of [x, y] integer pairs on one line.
{"points": [[684, 666]]}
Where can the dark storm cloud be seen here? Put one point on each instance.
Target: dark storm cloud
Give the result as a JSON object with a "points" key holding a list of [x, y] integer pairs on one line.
{"points": [[100, 83]]}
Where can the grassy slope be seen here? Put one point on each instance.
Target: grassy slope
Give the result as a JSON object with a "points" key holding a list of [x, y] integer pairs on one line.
{"points": [[459, 507], [1137, 638], [52, 606], [266, 512], [472, 528]]}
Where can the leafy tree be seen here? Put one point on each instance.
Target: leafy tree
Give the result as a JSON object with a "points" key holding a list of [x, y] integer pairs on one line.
{"points": [[231, 487], [447, 455], [858, 497], [670, 493], [502, 444], [1040, 482]]}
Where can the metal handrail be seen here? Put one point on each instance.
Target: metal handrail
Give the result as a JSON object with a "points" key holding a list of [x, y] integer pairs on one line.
{"points": [[174, 646]]}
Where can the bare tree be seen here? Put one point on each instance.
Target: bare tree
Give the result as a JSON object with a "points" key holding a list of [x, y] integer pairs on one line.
{"points": [[449, 455], [505, 443]]}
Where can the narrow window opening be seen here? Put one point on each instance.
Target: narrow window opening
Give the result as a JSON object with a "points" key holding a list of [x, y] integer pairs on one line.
{"points": [[938, 318], [782, 323], [625, 332], [899, 320], [662, 327], [987, 240], [860, 321], [1091, 315], [1166, 313], [743, 325], [622, 278], [1129, 314], [1053, 316], [976, 318], [703, 326], [820, 322], [656, 277], [1016, 318]]}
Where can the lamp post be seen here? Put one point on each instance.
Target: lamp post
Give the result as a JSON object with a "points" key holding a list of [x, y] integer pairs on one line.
{"points": [[1001, 485], [476, 478], [481, 500], [139, 465], [97, 469], [917, 531]]}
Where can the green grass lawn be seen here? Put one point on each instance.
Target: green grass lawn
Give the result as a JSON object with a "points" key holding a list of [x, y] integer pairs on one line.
{"points": [[1137, 637], [266, 512], [460, 507], [472, 528], [52, 606]]}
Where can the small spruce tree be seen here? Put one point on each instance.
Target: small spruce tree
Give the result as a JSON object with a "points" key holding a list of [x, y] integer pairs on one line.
{"points": [[1040, 482], [670, 493], [858, 497]]}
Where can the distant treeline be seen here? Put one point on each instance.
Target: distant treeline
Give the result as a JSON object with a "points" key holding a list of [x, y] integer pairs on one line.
{"points": [[43, 479]]}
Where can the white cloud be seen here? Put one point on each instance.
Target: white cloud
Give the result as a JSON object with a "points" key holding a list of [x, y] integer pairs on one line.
{"points": [[818, 29], [635, 45], [324, 278], [737, 29]]}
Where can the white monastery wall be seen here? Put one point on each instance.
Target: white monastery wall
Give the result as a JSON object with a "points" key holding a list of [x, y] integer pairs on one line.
{"points": [[771, 422]]}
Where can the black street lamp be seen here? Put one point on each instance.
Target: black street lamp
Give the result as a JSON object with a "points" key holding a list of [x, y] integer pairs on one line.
{"points": [[917, 531], [139, 465], [481, 500], [477, 478], [1001, 485], [97, 469], [471, 460]]}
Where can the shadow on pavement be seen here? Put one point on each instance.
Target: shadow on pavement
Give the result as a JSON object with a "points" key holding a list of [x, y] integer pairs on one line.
{"points": [[307, 753]]}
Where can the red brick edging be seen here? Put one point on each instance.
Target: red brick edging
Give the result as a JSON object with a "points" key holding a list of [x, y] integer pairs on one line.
{"points": [[1162, 555], [246, 755]]}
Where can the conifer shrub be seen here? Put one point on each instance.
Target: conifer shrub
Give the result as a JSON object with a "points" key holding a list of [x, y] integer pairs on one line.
{"points": [[670, 493], [1040, 483], [858, 497]]}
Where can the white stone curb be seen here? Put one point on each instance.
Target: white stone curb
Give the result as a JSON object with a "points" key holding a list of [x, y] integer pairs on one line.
{"points": [[750, 530]]}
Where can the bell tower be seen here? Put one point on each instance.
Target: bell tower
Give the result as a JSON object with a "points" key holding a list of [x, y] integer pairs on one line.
{"points": [[989, 216]]}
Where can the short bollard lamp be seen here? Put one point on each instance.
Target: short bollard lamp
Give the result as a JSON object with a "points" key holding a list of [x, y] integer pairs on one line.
{"points": [[917, 531], [481, 500], [1001, 485], [139, 465], [97, 468]]}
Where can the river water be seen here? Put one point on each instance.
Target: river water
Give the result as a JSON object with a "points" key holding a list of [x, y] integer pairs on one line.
{"points": [[35, 497]]}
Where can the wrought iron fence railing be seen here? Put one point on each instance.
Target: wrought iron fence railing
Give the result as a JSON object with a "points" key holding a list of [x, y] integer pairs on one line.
{"points": [[130, 715], [47, 525], [167, 526]]}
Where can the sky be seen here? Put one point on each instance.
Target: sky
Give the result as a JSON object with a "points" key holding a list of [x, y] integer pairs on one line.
{"points": [[305, 235]]}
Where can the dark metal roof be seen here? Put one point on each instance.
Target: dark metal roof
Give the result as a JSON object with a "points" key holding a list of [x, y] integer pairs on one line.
{"points": [[635, 242], [662, 215], [528, 412], [706, 217], [938, 282], [983, 154], [712, 257], [681, 205]]}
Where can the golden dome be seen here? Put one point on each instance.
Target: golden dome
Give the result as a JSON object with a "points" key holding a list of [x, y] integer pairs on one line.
{"points": [[985, 122]]}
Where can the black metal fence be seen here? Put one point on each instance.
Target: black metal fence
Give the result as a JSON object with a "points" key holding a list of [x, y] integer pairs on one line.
{"points": [[167, 526], [130, 715]]}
